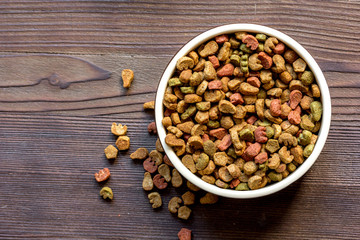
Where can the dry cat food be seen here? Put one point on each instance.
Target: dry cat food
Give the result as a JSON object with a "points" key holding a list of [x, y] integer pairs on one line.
{"points": [[106, 192], [127, 76], [242, 111], [102, 175]]}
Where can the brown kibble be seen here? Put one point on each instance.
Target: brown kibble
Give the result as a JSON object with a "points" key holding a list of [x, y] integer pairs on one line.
{"points": [[166, 121], [255, 182], [209, 198], [176, 179], [184, 63], [158, 146], [247, 89], [127, 76], [305, 102], [209, 71], [224, 174], [210, 48], [234, 170], [111, 152], [155, 199], [250, 41], [150, 166], [174, 204], [140, 153], [159, 182], [147, 184], [188, 198], [185, 76], [186, 126], [290, 56], [123, 143], [152, 128], [102, 175], [184, 212], [149, 105], [118, 129], [188, 161], [184, 234]]}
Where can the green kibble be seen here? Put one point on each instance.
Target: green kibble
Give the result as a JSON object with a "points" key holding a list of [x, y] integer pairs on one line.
{"points": [[187, 90], [291, 167], [202, 162], [235, 60], [260, 47], [274, 176], [247, 135], [308, 150], [190, 111], [244, 63], [106, 192], [264, 123], [244, 57], [305, 137], [306, 123], [244, 69], [242, 187], [316, 110], [261, 37], [231, 152], [173, 82], [213, 124], [269, 132], [244, 48], [264, 166], [203, 106], [234, 43], [221, 184], [307, 78], [262, 94], [235, 52]]}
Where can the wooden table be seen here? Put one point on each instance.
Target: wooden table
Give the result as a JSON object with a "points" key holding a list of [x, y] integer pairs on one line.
{"points": [[54, 127]]}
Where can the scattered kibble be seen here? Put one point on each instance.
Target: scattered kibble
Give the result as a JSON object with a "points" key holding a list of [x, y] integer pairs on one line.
{"points": [[127, 76], [106, 192], [102, 175]]}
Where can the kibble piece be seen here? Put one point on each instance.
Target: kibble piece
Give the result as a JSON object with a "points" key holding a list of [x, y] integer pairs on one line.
{"points": [[155, 199], [184, 234], [106, 192], [111, 152], [102, 175], [188, 161], [156, 156], [209, 198], [192, 186], [127, 76], [118, 129], [174, 204], [150, 165], [149, 105], [188, 198], [184, 63], [140, 153], [184, 212], [176, 179], [147, 184], [164, 171], [159, 182], [308, 150], [242, 187], [123, 143]]}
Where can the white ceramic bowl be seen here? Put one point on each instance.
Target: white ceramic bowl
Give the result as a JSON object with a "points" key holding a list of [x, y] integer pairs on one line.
{"points": [[325, 99]]}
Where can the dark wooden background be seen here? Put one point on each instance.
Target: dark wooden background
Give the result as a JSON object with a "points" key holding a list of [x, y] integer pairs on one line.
{"points": [[52, 139]]}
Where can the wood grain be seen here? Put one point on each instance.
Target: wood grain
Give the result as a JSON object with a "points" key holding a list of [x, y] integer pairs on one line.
{"points": [[52, 139]]}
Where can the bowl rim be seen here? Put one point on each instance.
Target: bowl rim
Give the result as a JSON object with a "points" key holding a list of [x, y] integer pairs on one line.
{"points": [[325, 100]]}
